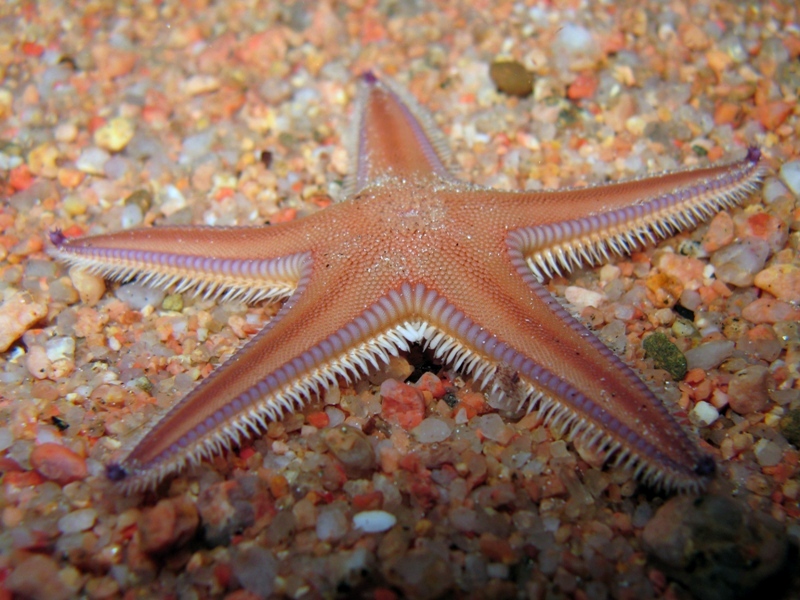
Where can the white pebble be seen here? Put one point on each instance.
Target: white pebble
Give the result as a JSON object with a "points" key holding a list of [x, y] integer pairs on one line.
{"points": [[431, 431], [703, 414], [92, 161], [708, 355], [59, 348], [138, 296], [6, 439], [581, 297], [331, 524], [374, 521], [790, 174], [77, 521]]}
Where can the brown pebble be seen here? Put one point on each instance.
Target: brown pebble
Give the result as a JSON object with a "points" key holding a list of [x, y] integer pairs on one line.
{"points": [[782, 281], [747, 390], [17, 314], [510, 77], [90, 287], [353, 449], [58, 463], [171, 522], [36, 578]]}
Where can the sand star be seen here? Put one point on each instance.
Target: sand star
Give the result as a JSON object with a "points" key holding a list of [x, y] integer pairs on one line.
{"points": [[413, 255]]}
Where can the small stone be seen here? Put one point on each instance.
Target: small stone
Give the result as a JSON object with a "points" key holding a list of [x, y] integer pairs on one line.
{"points": [[42, 160], [766, 227], [709, 354], [581, 297], [37, 362], [720, 232], [511, 77], [769, 310], [703, 414], [715, 546], [782, 281], [374, 521], [93, 161], [767, 453], [75, 205], [402, 404], [738, 263], [224, 512], [256, 568], [113, 62], [772, 114], [790, 427], [748, 389], [170, 523], [201, 84], [665, 355], [138, 296], [37, 578], [17, 315], [66, 132], [77, 520], [114, 135], [58, 463], [90, 287], [494, 428], [332, 524], [173, 302], [790, 175], [352, 447], [431, 431]]}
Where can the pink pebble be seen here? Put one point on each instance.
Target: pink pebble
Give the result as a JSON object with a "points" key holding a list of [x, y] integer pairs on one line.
{"points": [[402, 404], [58, 463], [431, 383]]}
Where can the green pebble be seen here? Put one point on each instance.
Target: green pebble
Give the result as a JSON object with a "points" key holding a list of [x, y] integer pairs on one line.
{"points": [[144, 384], [173, 302], [665, 355], [790, 427]]}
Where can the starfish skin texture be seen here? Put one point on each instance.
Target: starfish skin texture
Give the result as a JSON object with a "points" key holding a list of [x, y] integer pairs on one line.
{"points": [[414, 255]]}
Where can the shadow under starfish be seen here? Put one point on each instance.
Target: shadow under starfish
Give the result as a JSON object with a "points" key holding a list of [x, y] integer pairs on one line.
{"points": [[413, 255]]}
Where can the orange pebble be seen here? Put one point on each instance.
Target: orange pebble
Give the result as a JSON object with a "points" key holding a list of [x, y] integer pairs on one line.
{"points": [[58, 463]]}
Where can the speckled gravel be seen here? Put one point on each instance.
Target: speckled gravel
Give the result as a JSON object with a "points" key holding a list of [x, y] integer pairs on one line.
{"points": [[233, 113]]}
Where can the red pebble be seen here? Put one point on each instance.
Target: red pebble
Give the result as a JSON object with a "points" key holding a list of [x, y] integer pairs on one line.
{"points": [[58, 463], [402, 404], [431, 383]]}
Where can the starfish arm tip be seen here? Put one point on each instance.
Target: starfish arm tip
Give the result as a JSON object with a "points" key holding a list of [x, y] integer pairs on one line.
{"points": [[57, 237], [115, 472]]}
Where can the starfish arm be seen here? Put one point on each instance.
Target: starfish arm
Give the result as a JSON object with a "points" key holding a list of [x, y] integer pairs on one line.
{"points": [[540, 358], [232, 263], [394, 136], [322, 333], [587, 226]]}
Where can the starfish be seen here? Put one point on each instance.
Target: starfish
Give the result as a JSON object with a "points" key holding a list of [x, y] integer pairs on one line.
{"points": [[414, 255]]}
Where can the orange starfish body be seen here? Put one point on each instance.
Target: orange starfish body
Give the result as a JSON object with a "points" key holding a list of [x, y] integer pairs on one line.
{"points": [[413, 255]]}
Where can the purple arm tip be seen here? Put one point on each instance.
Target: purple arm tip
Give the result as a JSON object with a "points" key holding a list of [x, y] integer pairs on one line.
{"points": [[115, 473], [56, 237], [753, 154], [369, 77]]}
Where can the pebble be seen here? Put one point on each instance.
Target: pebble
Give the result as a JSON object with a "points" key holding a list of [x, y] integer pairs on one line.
{"points": [[767, 453], [42, 160], [715, 546], [65, 133], [352, 447], [37, 578], [256, 568], [790, 175], [17, 315], [402, 404], [431, 431], [511, 77], [58, 463], [768, 310], [332, 523], [93, 161], [90, 287], [720, 232], [139, 296], [77, 520], [747, 390], [374, 521], [703, 414], [114, 135], [493, 427], [782, 281], [737, 264], [112, 61], [201, 84], [170, 523], [581, 297], [708, 354], [665, 355]]}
